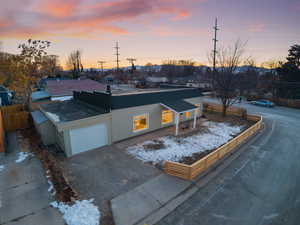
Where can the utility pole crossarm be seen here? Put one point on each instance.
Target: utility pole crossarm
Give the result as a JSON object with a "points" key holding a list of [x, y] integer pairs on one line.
{"points": [[101, 63], [131, 60]]}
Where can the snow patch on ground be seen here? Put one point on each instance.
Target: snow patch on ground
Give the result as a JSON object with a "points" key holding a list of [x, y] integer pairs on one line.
{"points": [[80, 213], [178, 148], [51, 188], [2, 168], [22, 156], [53, 116], [62, 98]]}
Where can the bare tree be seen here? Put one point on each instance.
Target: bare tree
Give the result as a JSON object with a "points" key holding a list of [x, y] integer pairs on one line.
{"points": [[224, 79], [50, 65], [248, 77], [74, 63]]}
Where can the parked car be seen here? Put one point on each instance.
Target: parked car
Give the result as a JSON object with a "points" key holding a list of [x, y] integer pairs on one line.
{"points": [[263, 102]]}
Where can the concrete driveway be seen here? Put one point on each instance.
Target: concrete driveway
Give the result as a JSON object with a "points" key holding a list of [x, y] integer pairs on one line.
{"points": [[262, 187], [24, 196], [107, 172]]}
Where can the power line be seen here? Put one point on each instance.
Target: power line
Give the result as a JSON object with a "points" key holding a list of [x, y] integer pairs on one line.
{"points": [[117, 54], [101, 63], [215, 44]]}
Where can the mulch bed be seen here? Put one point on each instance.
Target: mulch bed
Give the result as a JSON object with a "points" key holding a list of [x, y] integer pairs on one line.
{"points": [[52, 167], [216, 117]]}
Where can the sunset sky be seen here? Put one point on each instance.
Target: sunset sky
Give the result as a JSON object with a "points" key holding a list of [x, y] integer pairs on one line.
{"points": [[151, 30]]}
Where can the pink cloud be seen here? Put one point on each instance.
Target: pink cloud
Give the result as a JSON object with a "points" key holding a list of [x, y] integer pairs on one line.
{"points": [[46, 17], [165, 31], [57, 8], [257, 27]]}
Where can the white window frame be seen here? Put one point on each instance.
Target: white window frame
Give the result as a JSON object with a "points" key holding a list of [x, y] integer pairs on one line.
{"points": [[147, 119], [162, 117]]}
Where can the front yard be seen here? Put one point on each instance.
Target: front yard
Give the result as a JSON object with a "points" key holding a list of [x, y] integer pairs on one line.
{"points": [[211, 132]]}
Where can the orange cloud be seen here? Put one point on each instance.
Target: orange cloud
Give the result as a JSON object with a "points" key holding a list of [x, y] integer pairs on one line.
{"points": [[58, 8], [71, 17], [4, 23], [181, 15]]}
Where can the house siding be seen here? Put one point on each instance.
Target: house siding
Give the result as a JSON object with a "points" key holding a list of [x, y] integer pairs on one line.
{"points": [[122, 119], [119, 123]]}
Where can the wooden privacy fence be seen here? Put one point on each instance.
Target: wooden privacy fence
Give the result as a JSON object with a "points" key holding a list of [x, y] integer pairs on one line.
{"points": [[14, 117], [235, 111], [2, 140], [189, 172]]}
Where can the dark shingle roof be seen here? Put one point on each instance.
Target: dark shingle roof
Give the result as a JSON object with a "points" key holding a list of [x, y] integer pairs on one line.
{"points": [[179, 105], [71, 110]]}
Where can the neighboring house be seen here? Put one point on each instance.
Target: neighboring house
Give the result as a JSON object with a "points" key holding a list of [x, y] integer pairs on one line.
{"points": [[62, 89], [92, 120], [40, 96], [5, 96]]}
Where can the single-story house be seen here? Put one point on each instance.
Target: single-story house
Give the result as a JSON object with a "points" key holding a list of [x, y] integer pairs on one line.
{"points": [[63, 89], [92, 120]]}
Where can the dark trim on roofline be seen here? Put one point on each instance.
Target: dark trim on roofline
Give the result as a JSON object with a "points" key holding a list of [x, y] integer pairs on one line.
{"points": [[110, 102]]}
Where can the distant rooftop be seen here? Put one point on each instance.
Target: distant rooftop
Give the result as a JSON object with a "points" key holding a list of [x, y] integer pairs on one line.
{"points": [[70, 110], [66, 87], [144, 91]]}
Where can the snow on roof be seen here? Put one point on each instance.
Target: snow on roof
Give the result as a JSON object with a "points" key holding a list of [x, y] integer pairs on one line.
{"points": [[53, 116], [38, 95], [38, 117]]}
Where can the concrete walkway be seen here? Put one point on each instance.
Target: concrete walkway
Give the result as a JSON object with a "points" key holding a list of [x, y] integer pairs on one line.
{"points": [[153, 200], [24, 196]]}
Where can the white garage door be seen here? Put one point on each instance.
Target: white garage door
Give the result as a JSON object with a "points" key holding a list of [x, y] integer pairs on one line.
{"points": [[87, 138]]}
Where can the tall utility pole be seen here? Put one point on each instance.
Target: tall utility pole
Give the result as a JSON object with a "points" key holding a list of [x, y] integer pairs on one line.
{"points": [[101, 63], [117, 54], [131, 61], [215, 44]]}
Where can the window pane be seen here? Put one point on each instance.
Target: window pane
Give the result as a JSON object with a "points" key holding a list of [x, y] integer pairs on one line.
{"points": [[167, 116], [140, 123], [187, 115]]}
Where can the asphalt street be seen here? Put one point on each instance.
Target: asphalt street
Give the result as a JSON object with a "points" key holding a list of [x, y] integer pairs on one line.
{"points": [[261, 187]]}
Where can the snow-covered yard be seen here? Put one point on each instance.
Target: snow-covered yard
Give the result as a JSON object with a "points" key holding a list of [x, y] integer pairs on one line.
{"points": [[174, 149]]}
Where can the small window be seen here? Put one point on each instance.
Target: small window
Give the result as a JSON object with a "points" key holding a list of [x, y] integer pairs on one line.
{"points": [[187, 115], [140, 122], [166, 117]]}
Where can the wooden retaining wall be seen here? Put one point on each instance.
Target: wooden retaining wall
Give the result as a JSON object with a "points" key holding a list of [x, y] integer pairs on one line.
{"points": [[14, 117], [189, 172]]}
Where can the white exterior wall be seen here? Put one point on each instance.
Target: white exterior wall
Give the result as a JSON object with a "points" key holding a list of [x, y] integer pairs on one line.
{"points": [[122, 119]]}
